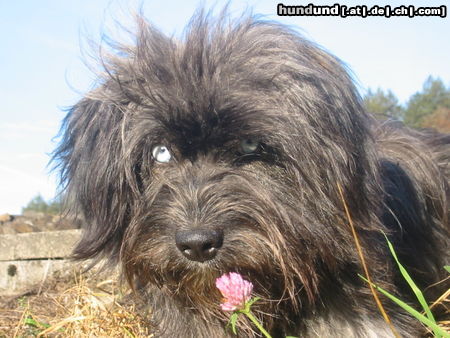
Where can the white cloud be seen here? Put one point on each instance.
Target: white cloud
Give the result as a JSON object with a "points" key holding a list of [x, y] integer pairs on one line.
{"points": [[51, 41], [18, 187], [40, 126], [19, 131], [32, 156]]}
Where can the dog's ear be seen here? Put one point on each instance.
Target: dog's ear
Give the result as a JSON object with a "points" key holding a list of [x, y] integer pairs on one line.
{"points": [[92, 175]]}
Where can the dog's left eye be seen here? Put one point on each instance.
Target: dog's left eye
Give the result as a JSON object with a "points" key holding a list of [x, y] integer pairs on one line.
{"points": [[249, 146], [161, 154]]}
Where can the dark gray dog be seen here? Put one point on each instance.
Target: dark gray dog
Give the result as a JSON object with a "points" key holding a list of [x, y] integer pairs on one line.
{"points": [[223, 151]]}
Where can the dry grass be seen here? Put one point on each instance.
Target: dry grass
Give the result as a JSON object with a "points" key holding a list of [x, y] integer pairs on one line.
{"points": [[91, 306], [95, 305], [442, 302], [73, 307], [364, 265], [442, 306]]}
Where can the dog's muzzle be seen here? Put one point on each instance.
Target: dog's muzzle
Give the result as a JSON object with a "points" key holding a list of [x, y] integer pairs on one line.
{"points": [[200, 244]]}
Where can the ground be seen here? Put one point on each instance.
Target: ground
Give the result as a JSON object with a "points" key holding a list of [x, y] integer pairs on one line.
{"points": [[93, 304]]}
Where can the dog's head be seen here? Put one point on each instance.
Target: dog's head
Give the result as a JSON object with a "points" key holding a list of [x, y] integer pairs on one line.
{"points": [[219, 152]]}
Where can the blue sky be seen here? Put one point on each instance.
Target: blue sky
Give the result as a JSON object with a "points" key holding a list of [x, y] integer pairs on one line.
{"points": [[42, 69]]}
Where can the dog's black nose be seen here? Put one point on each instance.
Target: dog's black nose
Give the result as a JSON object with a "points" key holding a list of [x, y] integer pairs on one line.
{"points": [[199, 244]]}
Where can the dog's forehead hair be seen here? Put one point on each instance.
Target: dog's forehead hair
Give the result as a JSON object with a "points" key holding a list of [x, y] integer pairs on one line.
{"points": [[224, 81], [215, 118], [209, 128], [195, 132]]}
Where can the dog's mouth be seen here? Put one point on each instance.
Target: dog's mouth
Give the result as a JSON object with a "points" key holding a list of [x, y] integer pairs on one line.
{"points": [[187, 264], [200, 225]]}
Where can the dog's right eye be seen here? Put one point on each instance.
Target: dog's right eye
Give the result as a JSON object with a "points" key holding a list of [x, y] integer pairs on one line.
{"points": [[161, 154], [249, 146]]}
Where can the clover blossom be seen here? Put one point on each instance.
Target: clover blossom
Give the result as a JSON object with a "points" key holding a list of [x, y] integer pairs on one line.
{"points": [[235, 290]]}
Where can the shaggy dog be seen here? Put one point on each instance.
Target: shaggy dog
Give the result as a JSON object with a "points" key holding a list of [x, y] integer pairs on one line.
{"points": [[223, 151]]}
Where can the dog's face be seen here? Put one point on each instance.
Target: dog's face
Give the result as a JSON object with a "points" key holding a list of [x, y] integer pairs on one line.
{"points": [[221, 152]]}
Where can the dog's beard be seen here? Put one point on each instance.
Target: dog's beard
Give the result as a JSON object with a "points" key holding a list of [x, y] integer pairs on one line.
{"points": [[260, 228]]}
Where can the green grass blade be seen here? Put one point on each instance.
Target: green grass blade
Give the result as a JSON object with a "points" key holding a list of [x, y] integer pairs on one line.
{"points": [[32, 322], [129, 334], [411, 283], [251, 301], [233, 320], [439, 332], [447, 267]]}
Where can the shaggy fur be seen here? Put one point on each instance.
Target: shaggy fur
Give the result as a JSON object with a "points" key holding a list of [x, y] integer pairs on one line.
{"points": [[277, 209]]}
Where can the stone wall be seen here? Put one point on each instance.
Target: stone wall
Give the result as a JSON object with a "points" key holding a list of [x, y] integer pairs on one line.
{"points": [[30, 258]]}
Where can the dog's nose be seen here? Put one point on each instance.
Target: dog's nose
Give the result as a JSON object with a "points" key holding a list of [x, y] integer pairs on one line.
{"points": [[200, 244]]}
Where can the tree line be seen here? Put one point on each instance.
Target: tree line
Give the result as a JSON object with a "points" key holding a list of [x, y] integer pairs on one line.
{"points": [[39, 204], [429, 108]]}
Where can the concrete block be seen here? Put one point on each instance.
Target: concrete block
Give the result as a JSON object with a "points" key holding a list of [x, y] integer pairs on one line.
{"points": [[29, 259], [17, 276], [38, 245]]}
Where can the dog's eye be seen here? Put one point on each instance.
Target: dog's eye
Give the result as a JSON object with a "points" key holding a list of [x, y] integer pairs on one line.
{"points": [[249, 146], [161, 154]]}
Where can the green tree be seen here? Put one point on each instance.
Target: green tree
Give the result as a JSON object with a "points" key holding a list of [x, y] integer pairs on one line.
{"points": [[55, 206], [383, 105], [439, 120], [433, 97], [38, 204]]}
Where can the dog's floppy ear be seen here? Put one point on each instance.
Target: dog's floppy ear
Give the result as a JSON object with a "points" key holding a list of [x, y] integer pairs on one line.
{"points": [[88, 158]]}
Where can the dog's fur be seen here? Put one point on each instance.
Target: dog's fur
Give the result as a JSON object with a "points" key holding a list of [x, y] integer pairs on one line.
{"points": [[279, 208]]}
